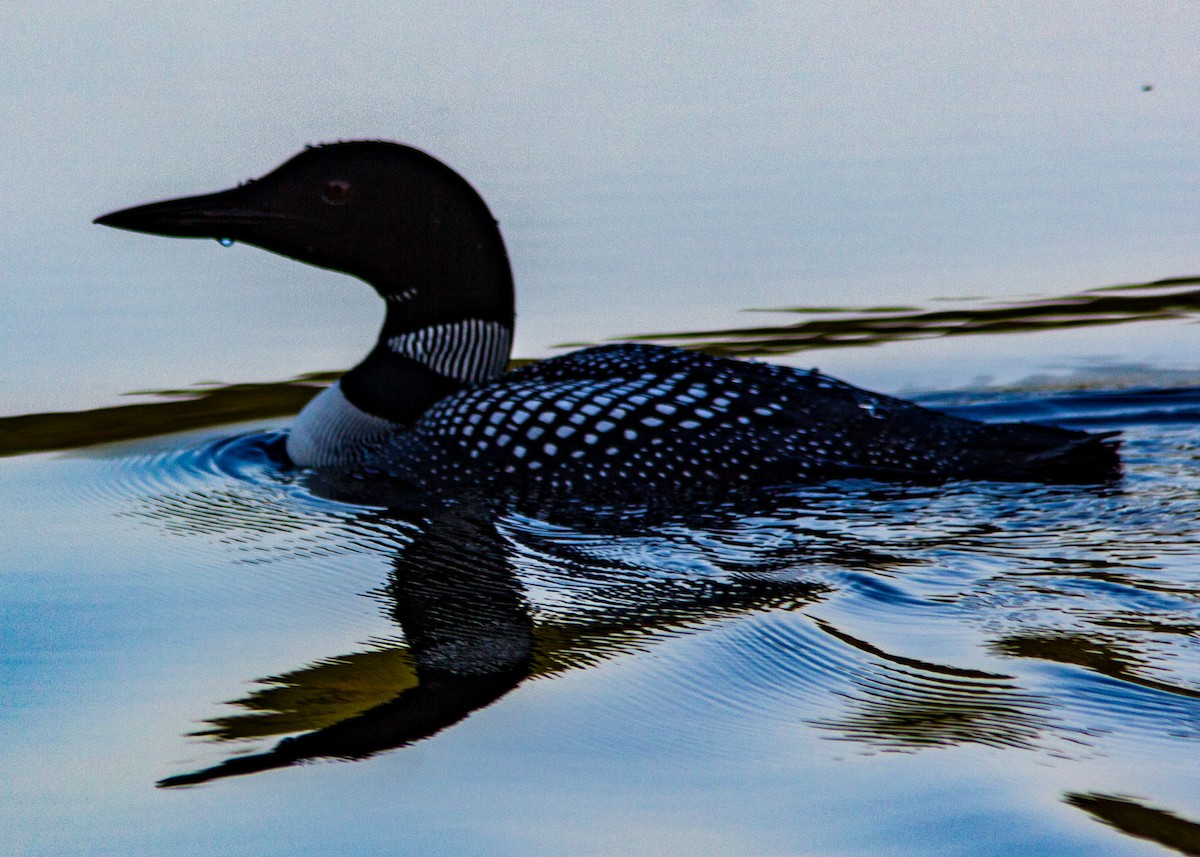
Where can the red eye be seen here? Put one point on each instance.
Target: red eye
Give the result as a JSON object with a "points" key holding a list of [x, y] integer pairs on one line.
{"points": [[336, 191]]}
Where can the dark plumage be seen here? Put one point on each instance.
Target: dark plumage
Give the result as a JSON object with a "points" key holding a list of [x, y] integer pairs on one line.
{"points": [[430, 406], [656, 418]]}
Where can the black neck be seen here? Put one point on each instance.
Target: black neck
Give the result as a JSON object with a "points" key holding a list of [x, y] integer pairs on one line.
{"points": [[393, 387], [414, 365], [436, 256]]}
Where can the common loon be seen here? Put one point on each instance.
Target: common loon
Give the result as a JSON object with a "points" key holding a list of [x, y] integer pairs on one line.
{"points": [[431, 404]]}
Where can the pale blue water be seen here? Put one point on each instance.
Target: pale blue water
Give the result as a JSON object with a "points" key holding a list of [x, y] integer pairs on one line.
{"points": [[842, 669]]}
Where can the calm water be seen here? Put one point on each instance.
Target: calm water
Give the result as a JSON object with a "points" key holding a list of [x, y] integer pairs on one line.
{"points": [[846, 669], [849, 669]]}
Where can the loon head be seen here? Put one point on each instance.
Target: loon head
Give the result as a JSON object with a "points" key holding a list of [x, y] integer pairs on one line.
{"points": [[386, 213], [408, 225]]}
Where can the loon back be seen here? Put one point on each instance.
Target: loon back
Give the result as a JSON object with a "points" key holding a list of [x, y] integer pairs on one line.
{"points": [[430, 406], [625, 420]]}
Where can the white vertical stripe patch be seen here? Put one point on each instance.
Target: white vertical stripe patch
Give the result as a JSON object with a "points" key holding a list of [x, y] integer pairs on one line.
{"points": [[331, 432], [469, 350]]}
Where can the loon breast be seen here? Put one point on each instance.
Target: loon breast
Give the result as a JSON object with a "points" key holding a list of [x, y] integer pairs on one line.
{"points": [[331, 432]]}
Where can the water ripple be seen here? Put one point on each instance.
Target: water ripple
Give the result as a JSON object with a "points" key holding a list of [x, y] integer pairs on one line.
{"points": [[1056, 620]]}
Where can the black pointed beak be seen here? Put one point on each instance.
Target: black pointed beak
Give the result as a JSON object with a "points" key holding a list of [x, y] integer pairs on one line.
{"points": [[226, 214]]}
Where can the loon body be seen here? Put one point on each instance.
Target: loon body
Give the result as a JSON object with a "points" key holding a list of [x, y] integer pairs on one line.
{"points": [[431, 404]]}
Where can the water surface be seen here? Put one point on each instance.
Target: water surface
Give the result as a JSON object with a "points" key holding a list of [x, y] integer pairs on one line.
{"points": [[988, 668], [842, 669]]}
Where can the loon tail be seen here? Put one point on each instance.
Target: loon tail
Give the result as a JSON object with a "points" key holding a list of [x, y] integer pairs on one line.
{"points": [[1087, 459], [1035, 453]]}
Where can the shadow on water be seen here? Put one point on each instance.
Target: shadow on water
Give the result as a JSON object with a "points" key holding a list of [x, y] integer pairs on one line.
{"points": [[183, 410], [1099, 653], [1159, 300], [203, 407], [1140, 821]]}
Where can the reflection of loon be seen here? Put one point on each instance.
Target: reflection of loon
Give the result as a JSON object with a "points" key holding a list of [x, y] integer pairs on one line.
{"points": [[484, 603], [460, 605], [428, 405], [472, 636]]}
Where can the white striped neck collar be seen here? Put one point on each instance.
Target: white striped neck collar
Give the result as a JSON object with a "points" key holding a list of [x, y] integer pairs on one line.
{"points": [[410, 368], [469, 350]]}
